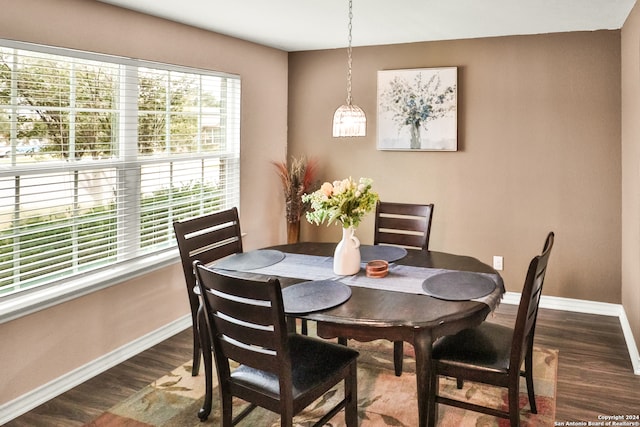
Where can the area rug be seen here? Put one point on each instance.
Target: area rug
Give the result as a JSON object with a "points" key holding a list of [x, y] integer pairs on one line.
{"points": [[383, 398]]}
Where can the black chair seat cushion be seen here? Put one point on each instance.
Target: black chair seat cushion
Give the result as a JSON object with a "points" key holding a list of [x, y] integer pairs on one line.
{"points": [[312, 360], [488, 346]]}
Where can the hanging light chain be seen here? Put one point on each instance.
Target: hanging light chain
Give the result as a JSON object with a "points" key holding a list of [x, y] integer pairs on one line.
{"points": [[349, 120], [349, 58]]}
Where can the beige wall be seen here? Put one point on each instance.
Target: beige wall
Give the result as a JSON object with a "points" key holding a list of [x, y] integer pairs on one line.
{"points": [[631, 170], [539, 150], [40, 347], [48, 344]]}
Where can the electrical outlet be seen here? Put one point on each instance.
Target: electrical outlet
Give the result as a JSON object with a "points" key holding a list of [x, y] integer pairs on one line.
{"points": [[497, 262]]}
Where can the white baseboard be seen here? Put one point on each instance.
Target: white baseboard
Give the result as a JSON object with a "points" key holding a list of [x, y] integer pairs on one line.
{"points": [[40, 395], [590, 307], [631, 343]]}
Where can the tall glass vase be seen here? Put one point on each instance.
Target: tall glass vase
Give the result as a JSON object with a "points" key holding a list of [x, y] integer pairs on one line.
{"points": [[346, 258]]}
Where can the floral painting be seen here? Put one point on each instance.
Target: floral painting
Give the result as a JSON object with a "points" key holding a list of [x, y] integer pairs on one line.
{"points": [[417, 109]]}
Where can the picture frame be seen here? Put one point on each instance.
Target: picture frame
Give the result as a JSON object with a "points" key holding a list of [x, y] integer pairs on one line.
{"points": [[418, 109]]}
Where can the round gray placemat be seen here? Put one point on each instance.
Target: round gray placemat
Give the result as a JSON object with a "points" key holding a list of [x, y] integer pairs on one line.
{"points": [[249, 260], [387, 253], [316, 295], [458, 285]]}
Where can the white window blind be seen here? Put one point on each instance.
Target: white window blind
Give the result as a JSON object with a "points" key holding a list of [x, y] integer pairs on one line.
{"points": [[99, 155]]}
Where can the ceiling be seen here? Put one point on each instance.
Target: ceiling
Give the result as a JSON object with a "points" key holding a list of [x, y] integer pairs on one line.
{"points": [[295, 25]]}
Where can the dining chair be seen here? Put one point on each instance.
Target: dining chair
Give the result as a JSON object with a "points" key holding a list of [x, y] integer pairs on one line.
{"points": [[493, 354], [407, 225], [281, 371], [205, 238]]}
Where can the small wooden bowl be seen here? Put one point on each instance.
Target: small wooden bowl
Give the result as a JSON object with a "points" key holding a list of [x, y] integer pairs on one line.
{"points": [[377, 268]]}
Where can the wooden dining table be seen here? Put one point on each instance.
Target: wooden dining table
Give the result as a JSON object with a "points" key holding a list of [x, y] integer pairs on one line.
{"points": [[371, 314]]}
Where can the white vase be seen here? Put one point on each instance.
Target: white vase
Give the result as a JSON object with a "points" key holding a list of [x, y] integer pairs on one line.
{"points": [[346, 258]]}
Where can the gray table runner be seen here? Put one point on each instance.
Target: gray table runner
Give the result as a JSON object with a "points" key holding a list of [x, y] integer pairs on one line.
{"points": [[401, 278]]}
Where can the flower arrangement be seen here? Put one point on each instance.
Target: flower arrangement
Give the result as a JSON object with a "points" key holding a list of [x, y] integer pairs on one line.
{"points": [[346, 201], [297, 179]]}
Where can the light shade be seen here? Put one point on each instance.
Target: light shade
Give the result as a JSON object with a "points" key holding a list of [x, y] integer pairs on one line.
{"points": [[349, 120]]}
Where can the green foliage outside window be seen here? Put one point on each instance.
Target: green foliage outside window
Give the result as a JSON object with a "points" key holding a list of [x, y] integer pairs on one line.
{"points": [[46, 90], [55, 232]]}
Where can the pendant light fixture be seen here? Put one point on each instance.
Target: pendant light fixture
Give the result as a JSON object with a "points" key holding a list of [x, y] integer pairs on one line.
{"points": [[349, 119]]}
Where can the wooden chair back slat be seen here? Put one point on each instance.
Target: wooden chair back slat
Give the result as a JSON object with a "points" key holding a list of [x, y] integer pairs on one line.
{"points": [[408, 224], [244, 310], [398, 239], [257, 358], [249, 334], [215, 242]]}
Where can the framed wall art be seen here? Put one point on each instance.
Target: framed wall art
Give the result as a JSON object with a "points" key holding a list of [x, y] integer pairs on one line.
{"points": [[417, 109]]}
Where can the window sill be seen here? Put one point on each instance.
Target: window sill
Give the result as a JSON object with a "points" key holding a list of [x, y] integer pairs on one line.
{"points": [[39, 299]]}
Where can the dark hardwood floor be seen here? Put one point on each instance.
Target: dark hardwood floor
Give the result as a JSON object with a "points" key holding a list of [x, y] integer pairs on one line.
{"points": [[595, 375]]}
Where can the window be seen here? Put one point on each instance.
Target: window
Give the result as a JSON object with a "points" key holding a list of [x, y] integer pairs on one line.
{"points": [[99, 155]]}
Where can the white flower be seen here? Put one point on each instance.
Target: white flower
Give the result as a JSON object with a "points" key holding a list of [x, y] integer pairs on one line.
{"points": [[338, 187]]}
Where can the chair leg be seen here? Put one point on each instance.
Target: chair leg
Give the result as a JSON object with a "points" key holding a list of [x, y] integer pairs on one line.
{"points": [[528, 367], [305, 327], [459, 383], [226, 408], [197, 348], [398, 355], [351, 395], [286, 413], [514, 407], [204, 412]]}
